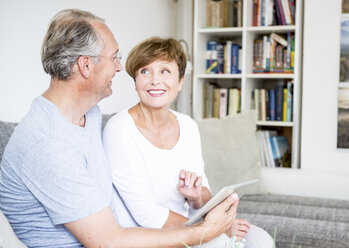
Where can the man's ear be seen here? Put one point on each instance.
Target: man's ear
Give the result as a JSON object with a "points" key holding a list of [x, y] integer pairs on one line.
{"points": [[85, 65]]}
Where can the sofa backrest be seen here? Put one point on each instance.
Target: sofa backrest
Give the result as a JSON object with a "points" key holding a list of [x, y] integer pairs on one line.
{"points": [[6, 130]]}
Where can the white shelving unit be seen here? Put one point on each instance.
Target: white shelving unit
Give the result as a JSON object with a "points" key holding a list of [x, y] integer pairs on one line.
{"points": [[247, 81]]}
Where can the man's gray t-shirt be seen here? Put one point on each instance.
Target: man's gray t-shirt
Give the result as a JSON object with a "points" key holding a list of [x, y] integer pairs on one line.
{"points": [[53, 172]]}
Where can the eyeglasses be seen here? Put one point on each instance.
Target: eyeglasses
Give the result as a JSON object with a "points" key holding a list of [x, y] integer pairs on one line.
{"points": [[116, 58]]}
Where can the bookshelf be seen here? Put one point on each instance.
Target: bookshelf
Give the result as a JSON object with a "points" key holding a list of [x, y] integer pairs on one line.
{"points": [[247, 80]]}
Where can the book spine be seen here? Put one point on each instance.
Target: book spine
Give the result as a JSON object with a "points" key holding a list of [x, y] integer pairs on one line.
{"points": [[223, 103], [288, 50], [211, 57], [258, 54], [284, 105], [282, 14], [286, 10], [289, 101], [262, 13], [235, 59], [220, 58], [216, 102], [227, 57], [254, 13], [272, 104], [256, 102], [263, 105], [278, 102], [267, 104]]}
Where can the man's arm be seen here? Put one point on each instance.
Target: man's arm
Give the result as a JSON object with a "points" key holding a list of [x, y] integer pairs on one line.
{"points": [[102, 230]]}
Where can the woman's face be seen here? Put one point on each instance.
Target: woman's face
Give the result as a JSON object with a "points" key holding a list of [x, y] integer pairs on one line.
{"points": [[158, 83]]}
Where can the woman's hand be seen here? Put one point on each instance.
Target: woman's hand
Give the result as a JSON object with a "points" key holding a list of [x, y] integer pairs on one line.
{"points": [[238, 228], [190, 185]]}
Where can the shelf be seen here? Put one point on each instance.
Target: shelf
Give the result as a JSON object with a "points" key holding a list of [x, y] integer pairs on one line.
{"points": [[219, 76], [270, 29], [270, 75], [275, 123], [221, 31], [343, 85]]}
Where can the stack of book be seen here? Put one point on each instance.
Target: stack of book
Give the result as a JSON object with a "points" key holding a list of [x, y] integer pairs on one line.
{"points": [[273, 12], [274, 150], [274, 104], [220, 102], [224, 13], [274, 54], [223, 57]]}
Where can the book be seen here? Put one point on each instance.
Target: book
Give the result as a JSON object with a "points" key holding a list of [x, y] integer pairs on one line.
{"points": [[258, 54], [256, 101], [282, 150], [284, 105], [279, 92], [279, 39], [208, 99], [263, 108], [211, 57], [268, 149], [216, 102], [227, 56], [289, 101], [234, 96], [272, 104], [223, 103], [235, 59], [220, 58], [275, 158]]}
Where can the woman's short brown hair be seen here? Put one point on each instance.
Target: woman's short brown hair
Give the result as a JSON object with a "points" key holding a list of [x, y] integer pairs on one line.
{"points": [[155, 48]]}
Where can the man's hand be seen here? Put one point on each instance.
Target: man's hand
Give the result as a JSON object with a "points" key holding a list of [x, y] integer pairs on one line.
{"points": [[220, 218], [238, 228], [189, 185]]}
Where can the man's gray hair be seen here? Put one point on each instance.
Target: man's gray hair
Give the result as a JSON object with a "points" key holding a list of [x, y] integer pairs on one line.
{"points": [[69, 36]]}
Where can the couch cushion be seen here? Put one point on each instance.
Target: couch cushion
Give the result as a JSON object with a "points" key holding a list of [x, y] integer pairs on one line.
{"points": [[299, 221], [6, 130], [7, 237], [230, 151]]}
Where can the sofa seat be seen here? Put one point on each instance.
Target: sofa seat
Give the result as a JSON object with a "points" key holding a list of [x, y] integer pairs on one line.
{"points": [[296, 221]]}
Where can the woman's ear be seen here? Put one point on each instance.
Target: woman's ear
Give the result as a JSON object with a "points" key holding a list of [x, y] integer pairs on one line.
{"points": [[180, 86], [84, 65]]}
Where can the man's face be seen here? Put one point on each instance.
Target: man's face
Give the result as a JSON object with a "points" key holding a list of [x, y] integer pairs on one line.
{"points": [[104, 70]]}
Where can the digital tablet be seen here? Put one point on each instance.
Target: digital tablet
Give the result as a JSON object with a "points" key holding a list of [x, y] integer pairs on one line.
{"points": [[215, 200]]}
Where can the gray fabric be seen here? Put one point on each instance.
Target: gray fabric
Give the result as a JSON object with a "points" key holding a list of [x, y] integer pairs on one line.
{"points": [[230, 151], [6, 129], [298, 221]]}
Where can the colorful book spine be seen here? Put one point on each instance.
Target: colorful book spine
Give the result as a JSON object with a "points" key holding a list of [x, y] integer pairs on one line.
{"points": [[279, 102], [211, 57], [289, 101], [284, 105], [235, 59], [220, 58], [272, 104]]}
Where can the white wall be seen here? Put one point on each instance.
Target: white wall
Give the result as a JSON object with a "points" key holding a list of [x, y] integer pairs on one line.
{"points": [[23, 25], [320, 78]]}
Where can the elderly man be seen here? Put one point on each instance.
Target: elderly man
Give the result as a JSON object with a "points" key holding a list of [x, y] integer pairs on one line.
{"points": [[55, 184]]}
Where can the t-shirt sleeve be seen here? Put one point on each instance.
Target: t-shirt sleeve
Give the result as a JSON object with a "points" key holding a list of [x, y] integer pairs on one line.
{"points": [[62, 182], [129, 175]]}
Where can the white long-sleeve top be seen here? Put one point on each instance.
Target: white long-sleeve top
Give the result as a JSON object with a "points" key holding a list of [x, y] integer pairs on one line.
{"points": [[145, 176]]}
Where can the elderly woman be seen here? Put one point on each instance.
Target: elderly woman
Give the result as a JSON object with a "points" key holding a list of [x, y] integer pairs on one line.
{"points": [[155, 153]]}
